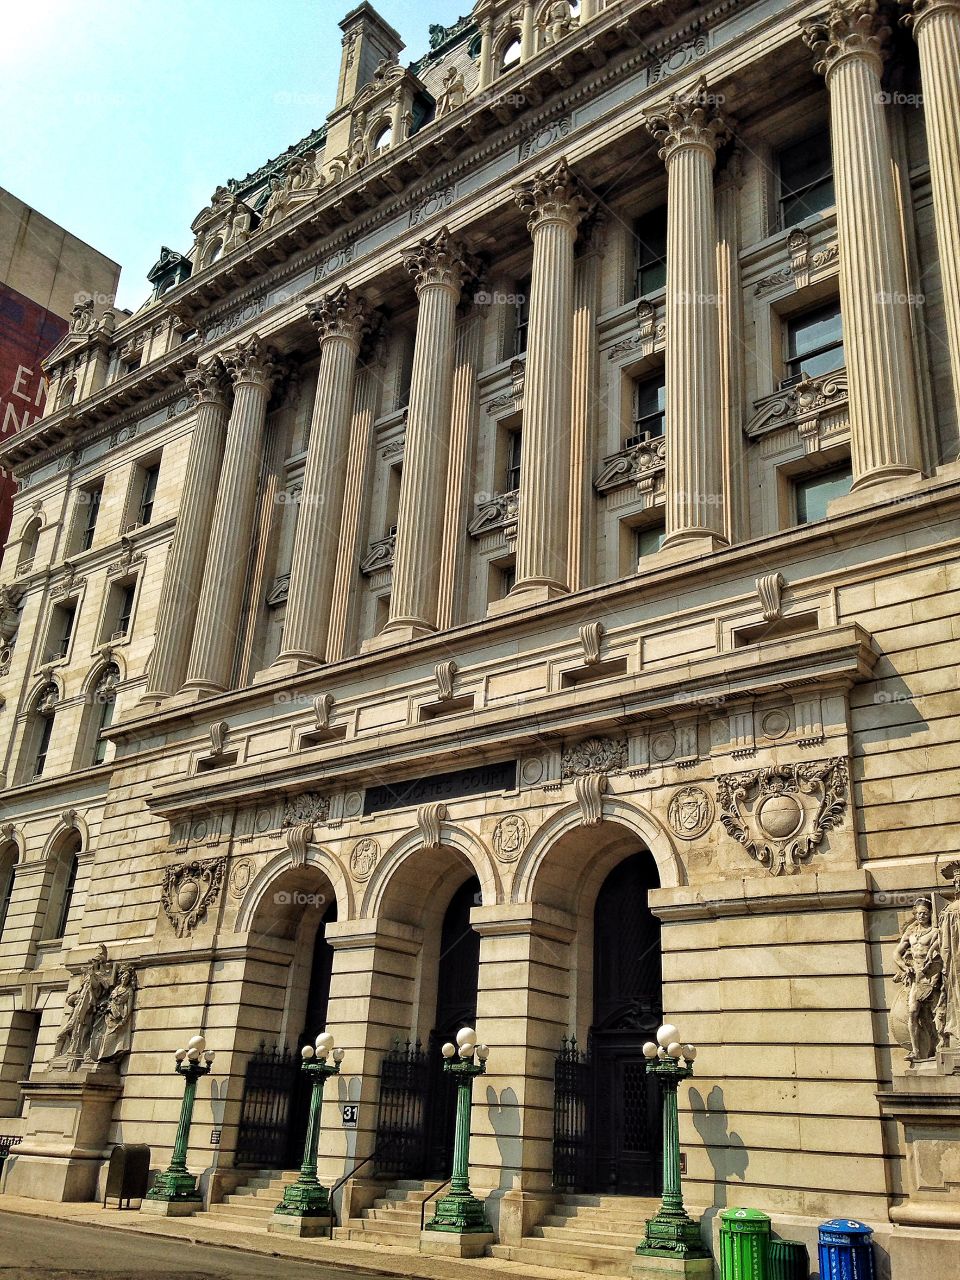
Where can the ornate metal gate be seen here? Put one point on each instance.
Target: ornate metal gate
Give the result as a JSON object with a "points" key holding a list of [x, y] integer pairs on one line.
{"points": [[401, 1119], [572, 1146], [270, 1087]]}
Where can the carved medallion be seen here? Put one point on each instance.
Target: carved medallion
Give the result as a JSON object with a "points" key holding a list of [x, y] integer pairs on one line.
{"points": [[594, 755], [189, 889], [509, 837], [690, 812], [364, 858], [781, 814], [240, 877], [308, 808]]}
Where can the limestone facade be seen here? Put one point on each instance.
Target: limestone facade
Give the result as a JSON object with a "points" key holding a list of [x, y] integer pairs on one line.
{"points": [[702, 258]]}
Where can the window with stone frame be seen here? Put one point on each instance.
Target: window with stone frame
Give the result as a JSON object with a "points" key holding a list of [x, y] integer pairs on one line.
{"points": [[28, 545], [60, 631], [62, 880], [8, 872], [118, 610], [813, 493], [87, 513], [650, 252], [805, 179], [38, 733], [813, 342], [649, 407], [142, 497], [99, 716], [521, 315]]}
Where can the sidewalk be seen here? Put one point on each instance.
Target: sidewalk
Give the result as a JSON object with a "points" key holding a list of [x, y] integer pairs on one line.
{"points": [[393, 1262]]}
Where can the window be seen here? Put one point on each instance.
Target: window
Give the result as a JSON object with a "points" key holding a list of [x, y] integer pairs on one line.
{"points": [[813, 493], [805, 171], [63, 882], [511, 54], [508, 579], [88, 507], [148, 493], [37, 733], [28, 546], [521, 316], [649, 539], [8, 868], [815, 342], [511, 479], [649, 406], [650, 252], [132, 364], [383, 139], [118, 610], [103, 703], [61, 630], [43, 746], [124, 608], [28, 1023]]}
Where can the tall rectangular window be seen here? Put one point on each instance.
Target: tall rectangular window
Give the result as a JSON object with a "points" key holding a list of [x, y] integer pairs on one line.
{"points": [[89, 500], [650, 252], [511, 479], [814, 493], [521, 316], [148, 493], [805, 172], [61, 629], [649, 406], [649, 539], [815, 342], [43, 746]]}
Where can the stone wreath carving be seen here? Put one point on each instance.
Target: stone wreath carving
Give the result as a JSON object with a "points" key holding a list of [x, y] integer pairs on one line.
{"points": [[781, 813], [593, 755], [189, 889]]}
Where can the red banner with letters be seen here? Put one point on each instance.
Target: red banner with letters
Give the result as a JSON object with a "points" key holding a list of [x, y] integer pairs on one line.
{"points": [[28, 333]]}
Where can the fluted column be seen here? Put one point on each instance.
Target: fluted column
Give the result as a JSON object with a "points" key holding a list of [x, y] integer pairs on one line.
{"points": [[849, 46], [440, 265], [183, 575], [732, 346], [556, 205], [689, 130], [341, 320], [461, 469], [936, 26], [585, 398], [251, 367]]}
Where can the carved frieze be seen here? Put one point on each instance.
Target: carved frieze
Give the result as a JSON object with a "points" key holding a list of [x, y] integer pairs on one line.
{"points": [[189, 890], [593, 755], [309, 807], [432, 203], [544, 137], [781, 813]]}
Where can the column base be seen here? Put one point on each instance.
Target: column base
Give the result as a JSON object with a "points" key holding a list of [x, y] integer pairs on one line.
{"points": [[459, 1212], [286, 665], [892, 482], [401, 633], [522, 596], [685, 546], [456, 1244], [191, 693]]}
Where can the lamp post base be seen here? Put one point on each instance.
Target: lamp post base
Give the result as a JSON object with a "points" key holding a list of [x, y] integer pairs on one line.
{"points": [[174, 1187], [305, 1198], [672, 1235], [299, 1224], [459, 1212], [455, 1244]]}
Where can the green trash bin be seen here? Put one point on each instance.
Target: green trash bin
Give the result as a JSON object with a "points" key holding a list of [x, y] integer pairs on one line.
{"points": [[744, 1245], [789, 1260]]}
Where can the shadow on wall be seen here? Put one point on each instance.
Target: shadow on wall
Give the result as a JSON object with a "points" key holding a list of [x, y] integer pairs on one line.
{"points": [[504, 1114], [725, 1148]]}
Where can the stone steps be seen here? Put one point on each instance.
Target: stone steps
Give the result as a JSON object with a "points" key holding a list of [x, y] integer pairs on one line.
{"points": [[590, 1259], [393, 1218], [595, 1235]]}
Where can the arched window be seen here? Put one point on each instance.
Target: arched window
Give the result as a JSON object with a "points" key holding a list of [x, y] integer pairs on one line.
{"points": [[63, 881], [511, 53], [28, 545], [8, 866], [66, 393], [212, 252], [39, 730], [100, 715], [382, 139]]}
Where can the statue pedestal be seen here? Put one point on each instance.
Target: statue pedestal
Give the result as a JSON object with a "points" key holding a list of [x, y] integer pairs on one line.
{"points": [[67, 1122], [926, 1101]]}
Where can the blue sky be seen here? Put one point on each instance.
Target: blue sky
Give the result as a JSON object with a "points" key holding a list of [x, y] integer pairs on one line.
{"points": [[123, 115]]}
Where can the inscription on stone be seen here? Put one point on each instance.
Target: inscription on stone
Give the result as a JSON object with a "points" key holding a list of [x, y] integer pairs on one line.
{"points": [[442, 786]]}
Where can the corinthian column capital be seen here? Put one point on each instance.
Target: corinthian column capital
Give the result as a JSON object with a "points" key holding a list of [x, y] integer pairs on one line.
{"points": [[440, 259], [251, 362], [851, 29], [341, 314], [918, 10], [690, 119], [205, 382], [553, 195]]}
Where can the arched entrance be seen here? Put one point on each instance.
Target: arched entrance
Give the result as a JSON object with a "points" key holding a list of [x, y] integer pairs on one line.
{"points": [[292, 921], [417, 1100]]}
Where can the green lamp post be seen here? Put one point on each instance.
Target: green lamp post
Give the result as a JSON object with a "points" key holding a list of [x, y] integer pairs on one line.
{"points": [[671, 1233], [306, 1198], [175, 1186], [459, 1210]]}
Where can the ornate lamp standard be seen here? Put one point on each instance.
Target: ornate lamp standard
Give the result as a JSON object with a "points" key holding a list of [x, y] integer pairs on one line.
{"points": [[175, 1190], [459, 1211], [305, 1200], [671, 1233]]}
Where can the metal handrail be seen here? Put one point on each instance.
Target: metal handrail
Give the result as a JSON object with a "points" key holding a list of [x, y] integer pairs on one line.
{"points": [[378, 1150], [426, 1201]]}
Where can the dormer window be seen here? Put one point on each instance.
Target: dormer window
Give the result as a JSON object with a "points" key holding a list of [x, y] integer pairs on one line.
{"points": [[382, 140], [511, 54]]}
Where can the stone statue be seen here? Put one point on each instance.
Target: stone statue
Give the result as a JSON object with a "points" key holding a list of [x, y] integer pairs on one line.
{"points": [[918, 966], [98, 1012], [948, 1009], [559, 21], [357, 156], [453, 93]]}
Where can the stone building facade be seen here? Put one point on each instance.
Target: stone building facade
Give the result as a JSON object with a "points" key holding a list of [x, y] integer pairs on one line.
{"points": [[509, 569]]}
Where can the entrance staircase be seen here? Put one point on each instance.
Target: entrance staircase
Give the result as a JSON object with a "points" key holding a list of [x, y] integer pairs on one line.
{"points": [[596, 1235], [253, 1203], [393, 1218]]}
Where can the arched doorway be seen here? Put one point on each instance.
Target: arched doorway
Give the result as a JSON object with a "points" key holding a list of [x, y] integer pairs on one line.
{"points": [[627, 1010], [291, 995], [417, 1103]]}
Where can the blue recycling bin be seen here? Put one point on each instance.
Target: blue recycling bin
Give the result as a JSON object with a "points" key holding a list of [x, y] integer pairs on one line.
{"points": [[846, 1250]]}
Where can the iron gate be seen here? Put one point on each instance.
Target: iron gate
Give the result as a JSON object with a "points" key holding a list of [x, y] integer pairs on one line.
{"points": [[401, 1119], [572, 1146], [270, 1091]]}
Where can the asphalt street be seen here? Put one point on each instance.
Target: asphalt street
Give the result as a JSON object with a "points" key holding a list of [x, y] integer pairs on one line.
{"points": [[44, 1249]]}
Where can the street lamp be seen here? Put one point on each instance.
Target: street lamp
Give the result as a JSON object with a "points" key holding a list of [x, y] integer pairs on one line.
{"points": [[459, 1210], [671, 1233], [306, 1198], [175, 1190]]}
